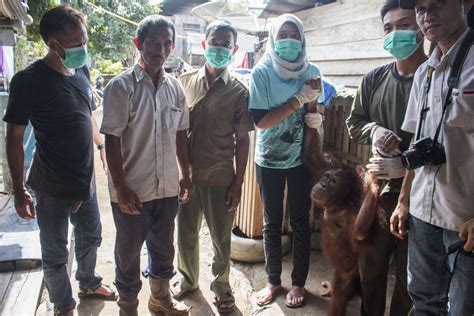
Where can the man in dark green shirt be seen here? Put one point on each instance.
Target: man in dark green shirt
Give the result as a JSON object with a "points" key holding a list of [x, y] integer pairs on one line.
{"points": [[376, 118]]}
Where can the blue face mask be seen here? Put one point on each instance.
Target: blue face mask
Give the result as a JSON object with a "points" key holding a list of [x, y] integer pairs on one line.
{"points": [[288, 49], [401, 44], [75, 57], [218, 57]]}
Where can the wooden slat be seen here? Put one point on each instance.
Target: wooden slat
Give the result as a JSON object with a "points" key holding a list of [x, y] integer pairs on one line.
{"points": [[350, 67], [23, 293], [367, 29], [350, 11]]}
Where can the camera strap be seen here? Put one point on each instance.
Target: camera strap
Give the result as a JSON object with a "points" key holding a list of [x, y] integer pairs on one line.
{"points": [[453, 82], [453, 79]]}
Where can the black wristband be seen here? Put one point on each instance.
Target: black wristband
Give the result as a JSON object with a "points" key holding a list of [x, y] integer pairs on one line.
{"points": [[101, 146]]}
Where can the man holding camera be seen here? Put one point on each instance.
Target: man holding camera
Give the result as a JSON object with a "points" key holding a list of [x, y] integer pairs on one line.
{"points": [[441, 113], [376, 118]]}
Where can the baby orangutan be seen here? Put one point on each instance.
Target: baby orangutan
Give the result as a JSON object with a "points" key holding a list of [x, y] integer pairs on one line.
{"points": [[340, 191]]}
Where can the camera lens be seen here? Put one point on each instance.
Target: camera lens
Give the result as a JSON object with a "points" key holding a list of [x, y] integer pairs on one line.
{"points": [[412, 159]]}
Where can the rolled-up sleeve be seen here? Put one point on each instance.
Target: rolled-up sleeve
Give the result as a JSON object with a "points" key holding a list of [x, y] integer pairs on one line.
{"points": [[116, 108]]}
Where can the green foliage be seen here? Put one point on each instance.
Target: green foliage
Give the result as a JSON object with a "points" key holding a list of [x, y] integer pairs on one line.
{"points": [[106, 66], [109, 37], [27, 51], [36, 9]]}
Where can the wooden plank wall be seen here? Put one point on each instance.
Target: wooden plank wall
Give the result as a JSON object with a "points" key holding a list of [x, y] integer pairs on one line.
{"points": [[345, 39]]}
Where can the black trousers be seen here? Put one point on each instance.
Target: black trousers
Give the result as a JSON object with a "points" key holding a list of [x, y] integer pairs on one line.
{"points": [[272, 186]]}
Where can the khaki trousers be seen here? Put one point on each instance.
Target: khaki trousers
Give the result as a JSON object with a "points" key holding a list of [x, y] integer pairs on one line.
{"points": [[209, 202]]}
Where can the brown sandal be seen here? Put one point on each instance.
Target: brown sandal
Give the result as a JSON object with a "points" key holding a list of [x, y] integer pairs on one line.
{"points": [[88, 293], [225, 304], [271, 294]]}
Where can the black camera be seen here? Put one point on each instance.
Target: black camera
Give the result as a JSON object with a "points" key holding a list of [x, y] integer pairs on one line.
{"points": [[423, 152]]}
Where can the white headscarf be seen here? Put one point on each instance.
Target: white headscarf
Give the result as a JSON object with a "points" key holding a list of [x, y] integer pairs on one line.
{"points": [[287, 69]]}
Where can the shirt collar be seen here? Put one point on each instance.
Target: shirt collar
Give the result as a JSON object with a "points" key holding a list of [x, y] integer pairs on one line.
{"points": [[140, 73], [435, 57], [224, 76]]}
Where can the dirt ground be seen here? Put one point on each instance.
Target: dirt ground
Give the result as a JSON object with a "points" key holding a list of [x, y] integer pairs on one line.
{"points": [[246, 279]]}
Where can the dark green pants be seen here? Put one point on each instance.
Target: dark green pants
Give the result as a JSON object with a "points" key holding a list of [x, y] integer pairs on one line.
{"points": [[210, 202]]}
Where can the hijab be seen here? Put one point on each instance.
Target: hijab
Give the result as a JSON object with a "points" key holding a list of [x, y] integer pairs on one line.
{"points": [[286, 69]]}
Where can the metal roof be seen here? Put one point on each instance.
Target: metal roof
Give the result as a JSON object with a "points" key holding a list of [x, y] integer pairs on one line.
{"points": [[278, 7], [170, 7]]}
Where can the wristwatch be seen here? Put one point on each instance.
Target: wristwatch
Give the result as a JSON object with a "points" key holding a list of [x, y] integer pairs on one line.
{"points": [[101, 146]]}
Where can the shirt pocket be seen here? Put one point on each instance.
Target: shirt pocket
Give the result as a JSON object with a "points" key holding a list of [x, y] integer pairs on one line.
{"points": [[461, 112], [174, 117]]}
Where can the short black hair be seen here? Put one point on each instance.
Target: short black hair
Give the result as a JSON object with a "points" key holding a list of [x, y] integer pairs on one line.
{"points": [[221, 26], [153, 21], [389, 5], [55, 21]]}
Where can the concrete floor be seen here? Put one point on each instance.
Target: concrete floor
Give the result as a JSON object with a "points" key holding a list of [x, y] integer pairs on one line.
{"points": [[245, 279]]}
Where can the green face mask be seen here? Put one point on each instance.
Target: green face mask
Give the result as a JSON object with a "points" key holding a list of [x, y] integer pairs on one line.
{"points": [[401, 44], [75, 57], [288, 49], [218, 57]]}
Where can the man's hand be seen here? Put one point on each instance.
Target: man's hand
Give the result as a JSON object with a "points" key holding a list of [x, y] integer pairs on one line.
{"points": [[398, 220], [128, 200], [233, 196], [467, 234], [23, 202], [385, 141], [103, 159], [386, 168], [185, 190], [313, 120]]}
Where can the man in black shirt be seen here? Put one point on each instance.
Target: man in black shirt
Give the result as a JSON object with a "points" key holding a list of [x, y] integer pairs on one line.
{"points": [[54, 94]]}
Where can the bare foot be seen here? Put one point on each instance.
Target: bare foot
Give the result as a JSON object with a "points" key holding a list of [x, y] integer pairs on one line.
{"points": [[327, 292], [267, 294], [295, 297], [178, 292]]}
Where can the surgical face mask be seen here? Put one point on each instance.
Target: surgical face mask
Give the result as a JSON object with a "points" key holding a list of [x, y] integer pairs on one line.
{"points": [[75, 57], [218, 57], [288, 49], [401, 44]]}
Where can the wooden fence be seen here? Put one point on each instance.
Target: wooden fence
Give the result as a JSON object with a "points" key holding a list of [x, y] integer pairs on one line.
{"points": [[249, 216]]}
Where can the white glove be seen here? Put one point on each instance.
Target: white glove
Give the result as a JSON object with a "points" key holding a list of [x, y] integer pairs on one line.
{"points": [[313, 120], [386, 168], [307, 94], [385, 142]]}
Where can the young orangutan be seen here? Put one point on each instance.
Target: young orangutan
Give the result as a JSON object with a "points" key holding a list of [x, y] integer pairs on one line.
{"points": [[350, 212], [339, 191]]}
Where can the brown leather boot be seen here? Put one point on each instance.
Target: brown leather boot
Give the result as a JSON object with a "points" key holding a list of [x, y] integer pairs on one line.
{"points": [[161, 301], [128, 308]]}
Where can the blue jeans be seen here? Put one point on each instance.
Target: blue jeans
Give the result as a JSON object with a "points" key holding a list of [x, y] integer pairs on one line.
{"points": [[53, 215], [429, 271]]}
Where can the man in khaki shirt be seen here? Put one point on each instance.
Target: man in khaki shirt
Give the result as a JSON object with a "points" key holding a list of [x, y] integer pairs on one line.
{"points": [[219, 126]]}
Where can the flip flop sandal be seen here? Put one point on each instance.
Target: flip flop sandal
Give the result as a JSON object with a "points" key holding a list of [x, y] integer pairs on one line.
{"points": [[225, 304], [271, 296], [291, 296], [88, 293], [178, 294]]}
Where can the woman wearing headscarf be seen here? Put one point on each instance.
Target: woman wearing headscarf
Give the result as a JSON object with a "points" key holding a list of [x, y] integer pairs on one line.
{"points": [[281, 84]]}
